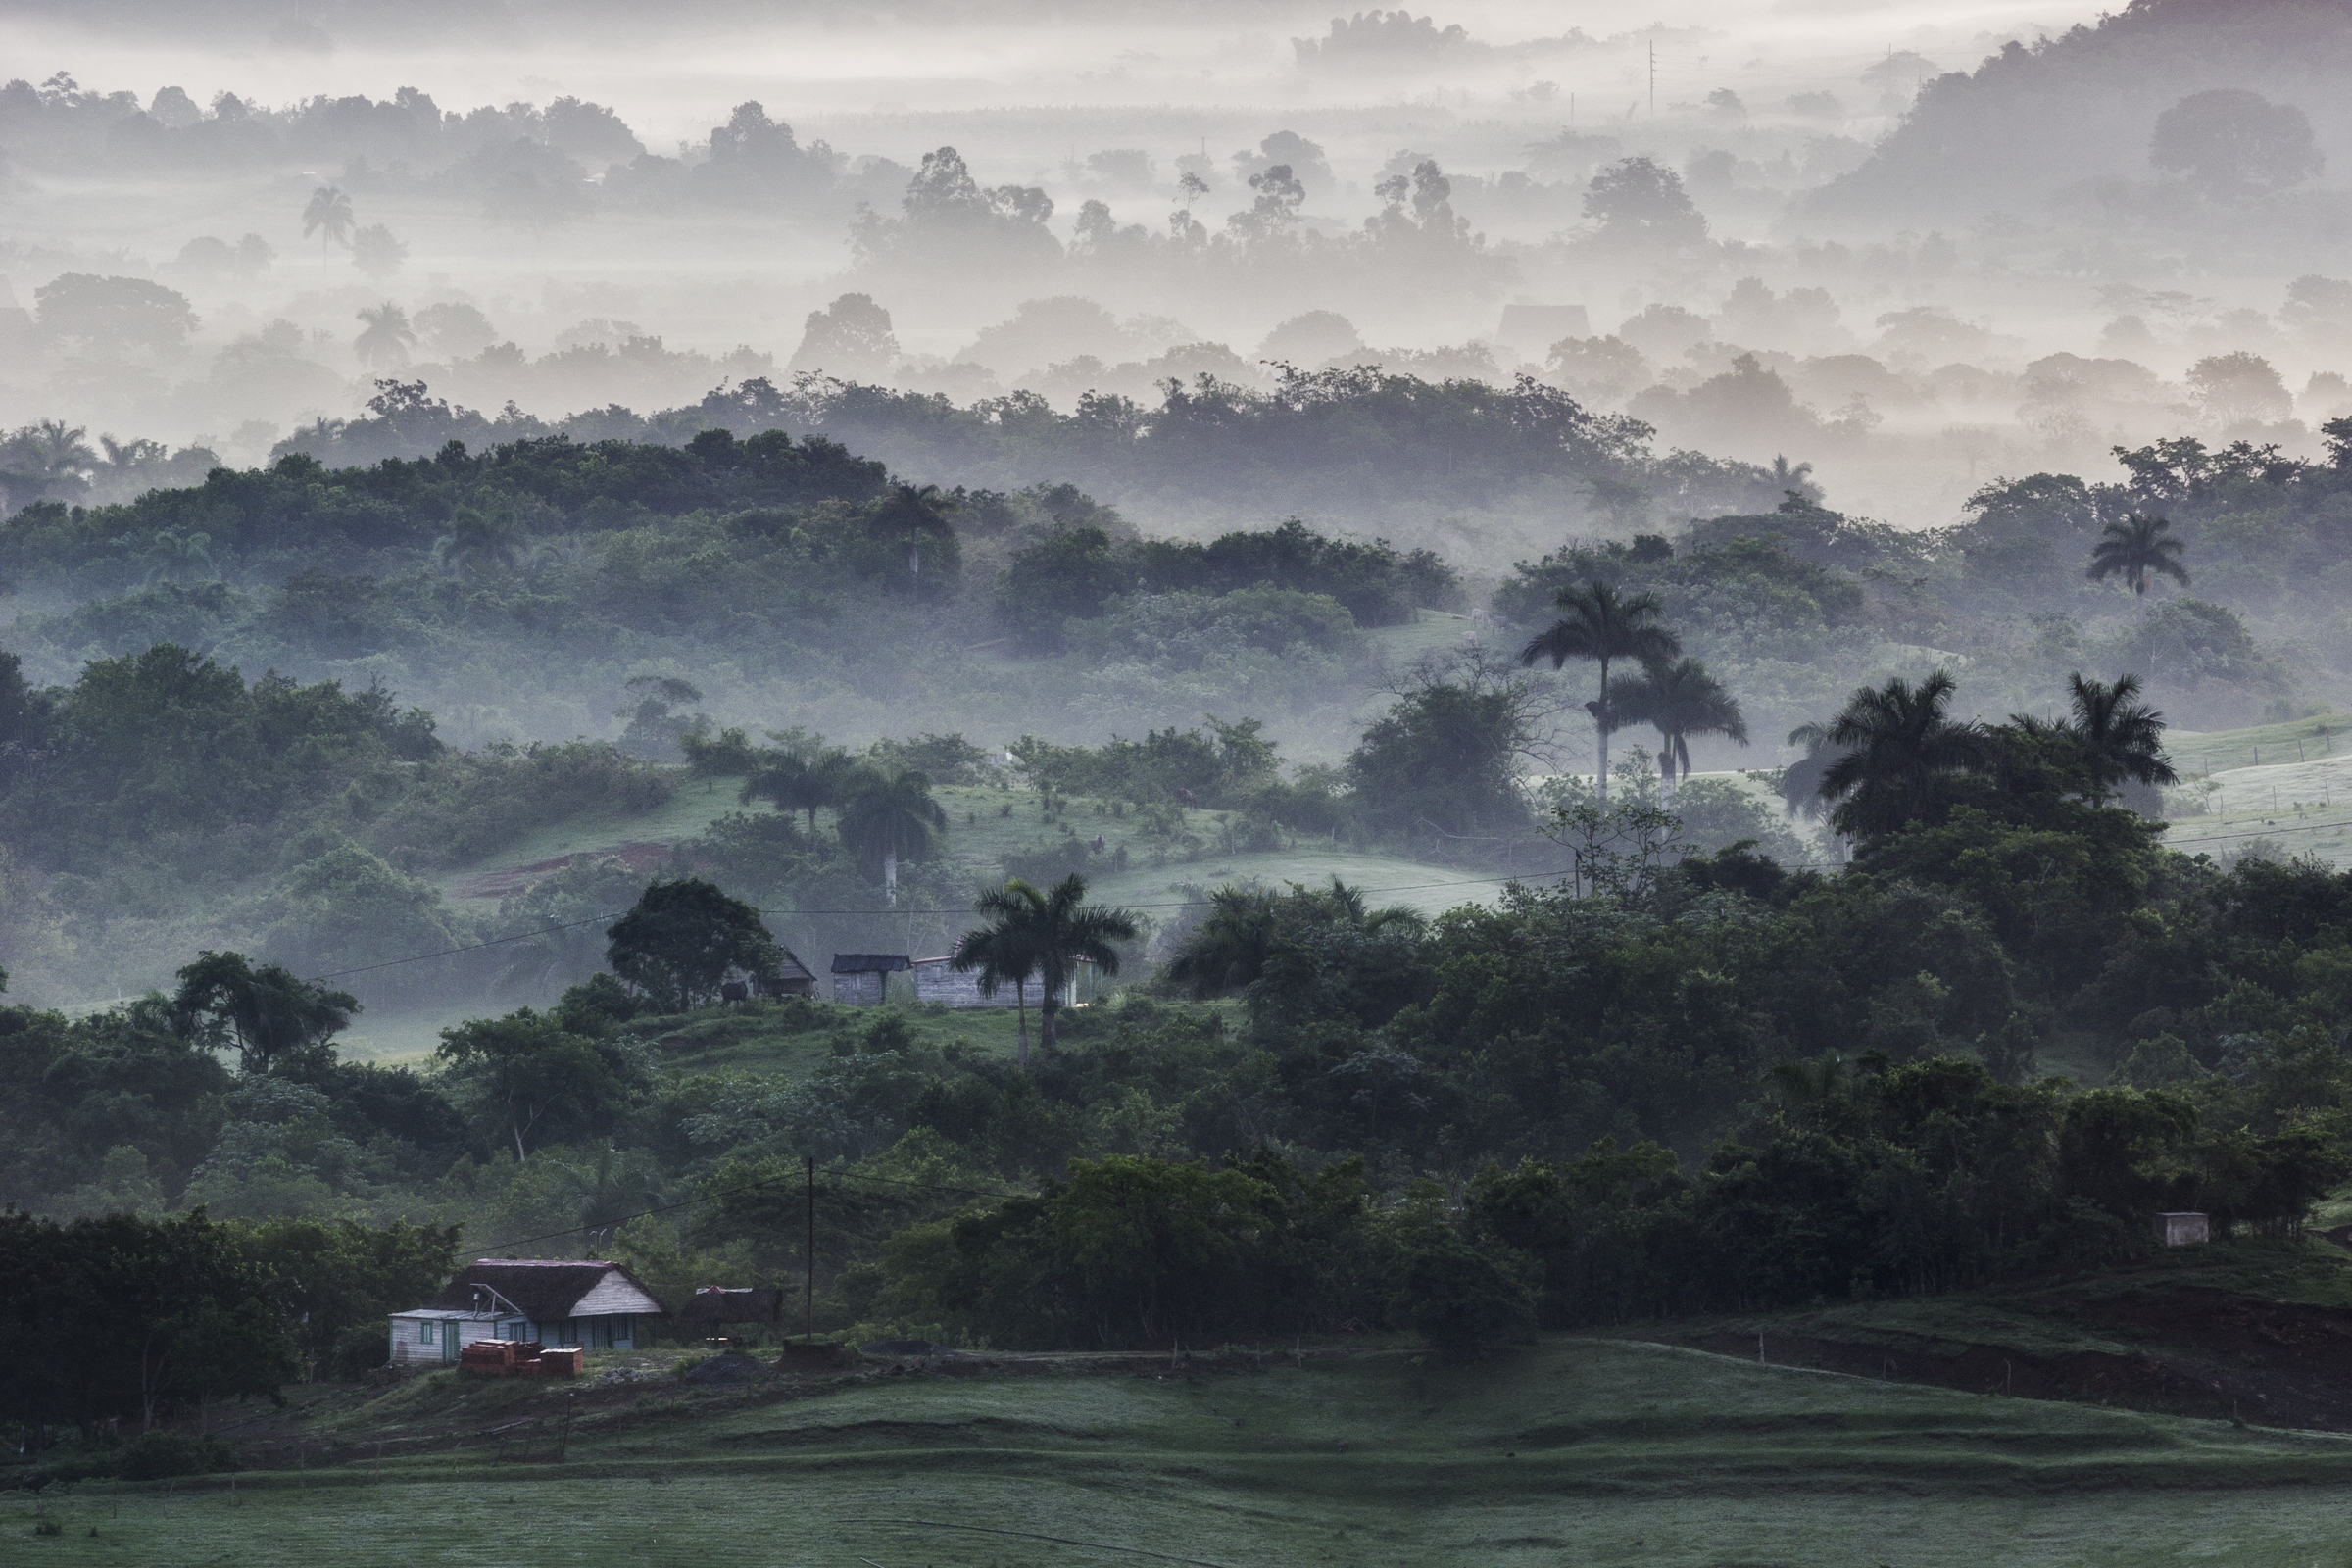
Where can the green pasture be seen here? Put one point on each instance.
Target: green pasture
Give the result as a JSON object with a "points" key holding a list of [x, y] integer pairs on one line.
{"points": [[1578, 1451]]}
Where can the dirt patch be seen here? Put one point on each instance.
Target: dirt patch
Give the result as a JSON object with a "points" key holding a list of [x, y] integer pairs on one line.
{"points": [[507, 881], [2197, 1352]]}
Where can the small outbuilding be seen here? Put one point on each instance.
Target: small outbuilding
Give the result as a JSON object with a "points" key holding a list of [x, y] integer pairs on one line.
{"points": [[789, 977], [939, 980], [2182, 1230], [859, 979], [558, 1302]]}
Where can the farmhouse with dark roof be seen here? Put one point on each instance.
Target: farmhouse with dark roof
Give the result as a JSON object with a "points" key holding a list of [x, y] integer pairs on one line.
{"points": [[554, 1300]]}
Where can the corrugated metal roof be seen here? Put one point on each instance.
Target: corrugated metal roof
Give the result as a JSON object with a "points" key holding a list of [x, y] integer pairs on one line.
{"points": [[870, 963], [548, 1290]]}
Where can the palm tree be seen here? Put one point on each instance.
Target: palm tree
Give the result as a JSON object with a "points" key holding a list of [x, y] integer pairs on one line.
{"points": [[1679, 698], [1057, 929], [911, 514], [1003, 952], [1228, 950], [328, 216], [385, 341], [886, 815], [1800, 780], [1601, 625], [173, 552], [478, 541], [2135, 546], [2121, 738], [48, 457], [1347, 906], [791, 782], [1898, 741]]}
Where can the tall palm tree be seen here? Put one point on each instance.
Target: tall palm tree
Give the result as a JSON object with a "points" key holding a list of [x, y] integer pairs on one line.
{"points": [[915, 516], [1898, 741], [480, 541], [2121, 738], [1347, 906], [1679, 698], [791, 782], [1601, 625], [384, 342], [328, 216], [2136, 544], [1058, 929], [1005, 952], [884, 817], [177, 551], [1800, 780], [48, 457], [1228, 950]]}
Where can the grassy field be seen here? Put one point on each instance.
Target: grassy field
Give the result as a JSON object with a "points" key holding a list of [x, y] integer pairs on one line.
{"points": [[1577, 1452], [2275, 782], [986, 824]]}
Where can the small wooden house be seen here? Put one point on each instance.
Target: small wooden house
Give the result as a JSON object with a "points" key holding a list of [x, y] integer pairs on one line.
{"points": [[557, 1302], [859, 979], [790, 977], [938, 980]]}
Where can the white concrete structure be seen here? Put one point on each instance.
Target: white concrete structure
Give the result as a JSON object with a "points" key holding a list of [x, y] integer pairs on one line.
{"points": [[2182, 1230]]}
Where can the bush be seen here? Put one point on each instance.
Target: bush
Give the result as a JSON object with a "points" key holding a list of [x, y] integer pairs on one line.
{"points": [[155, 1455], [1046, 864], [1462, 1297], [360, 1348]]}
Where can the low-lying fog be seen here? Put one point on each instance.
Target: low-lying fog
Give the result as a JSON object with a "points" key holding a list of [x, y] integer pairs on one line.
{"points": [[571, 209]]}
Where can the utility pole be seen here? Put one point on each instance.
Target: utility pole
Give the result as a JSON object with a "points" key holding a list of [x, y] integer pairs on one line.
{"points": [[1653, 78], [811, 1322]]}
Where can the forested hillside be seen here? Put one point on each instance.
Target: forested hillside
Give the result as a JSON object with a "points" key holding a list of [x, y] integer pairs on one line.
{"points": [[1931, 1003]]}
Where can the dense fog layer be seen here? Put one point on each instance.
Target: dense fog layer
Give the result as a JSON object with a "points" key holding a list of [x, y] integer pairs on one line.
{"points": [[1996, 278], [1844, 332]]}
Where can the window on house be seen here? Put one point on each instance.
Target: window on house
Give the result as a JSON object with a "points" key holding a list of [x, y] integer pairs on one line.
{"points": [[425, 1332]]}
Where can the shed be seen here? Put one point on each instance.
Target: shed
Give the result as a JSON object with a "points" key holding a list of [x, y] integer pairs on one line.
{"points": [[938, 980], [559, 1301], [429, 1338], [858, 977], [2182, 1230], [789, 977]]}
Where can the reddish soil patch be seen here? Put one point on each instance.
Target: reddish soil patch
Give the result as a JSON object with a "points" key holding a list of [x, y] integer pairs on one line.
{"points": [[2202, 1353]]}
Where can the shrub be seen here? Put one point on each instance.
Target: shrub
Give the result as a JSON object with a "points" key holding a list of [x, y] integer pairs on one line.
{"points": [[155, 1455]]}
